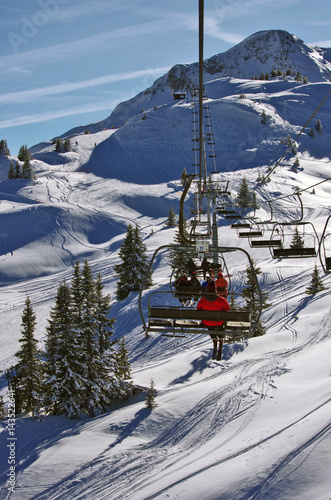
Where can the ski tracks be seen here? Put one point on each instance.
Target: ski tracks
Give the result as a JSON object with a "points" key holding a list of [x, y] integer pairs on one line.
{"points": [[284, 302], [171, 452]]}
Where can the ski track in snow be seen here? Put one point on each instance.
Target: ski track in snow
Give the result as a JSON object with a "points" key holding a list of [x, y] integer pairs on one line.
{"points": [[238, 401]]}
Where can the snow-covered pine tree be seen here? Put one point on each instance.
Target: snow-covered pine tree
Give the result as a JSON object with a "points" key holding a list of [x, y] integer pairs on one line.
{"points": [[244, 197], [76, 294], [316, 284], [95, 366], [115, 363], [252, 299], [29, 365], [63, 359], [318, 127], [67, 145], [123, 365], [150, 397], [133, 270], [104, 324], [27, 170]]}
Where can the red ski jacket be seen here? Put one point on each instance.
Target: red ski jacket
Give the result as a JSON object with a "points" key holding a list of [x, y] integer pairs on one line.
{"points": [[217, 304], [222, 286]]}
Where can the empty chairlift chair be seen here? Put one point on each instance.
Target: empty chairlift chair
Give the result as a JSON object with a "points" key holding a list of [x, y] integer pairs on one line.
{"points": [[299, 240]]}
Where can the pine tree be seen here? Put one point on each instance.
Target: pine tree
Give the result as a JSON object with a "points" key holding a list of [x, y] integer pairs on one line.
{"points": [[171, 221], [82, 372], [133, 270], [318, 127], [244, 197], [59, 148], [103, 323], [252, 299], [311, 133], [177, 257], [63, 359], [115, 364], [4, 150], [18, 171], [288, 140], [27, 171], [76, 294], [67, 145], [94, 400], [150, 398], [297, 240], [264, 117], [11, 171], [29, 366], [316, 285], [124, 368], [98, 374], [24, 153]]}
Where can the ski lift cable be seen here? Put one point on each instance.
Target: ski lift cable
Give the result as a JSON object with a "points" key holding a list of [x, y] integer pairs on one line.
{"points": [[294, 140], [298, 191]]}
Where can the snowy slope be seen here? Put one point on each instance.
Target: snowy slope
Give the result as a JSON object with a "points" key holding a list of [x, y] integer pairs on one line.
{"points": [[255, 425], [156, 145]]}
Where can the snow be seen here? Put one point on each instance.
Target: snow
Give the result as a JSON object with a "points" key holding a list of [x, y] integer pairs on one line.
{"points": [[255, 425]]}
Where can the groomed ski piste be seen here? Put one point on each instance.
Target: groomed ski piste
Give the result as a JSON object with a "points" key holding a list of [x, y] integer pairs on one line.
{"points": [[255, 425]]}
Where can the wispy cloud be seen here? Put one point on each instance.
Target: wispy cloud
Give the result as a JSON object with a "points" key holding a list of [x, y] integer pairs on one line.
{"points": [[51, 115], [84, 46], [38, 93]]}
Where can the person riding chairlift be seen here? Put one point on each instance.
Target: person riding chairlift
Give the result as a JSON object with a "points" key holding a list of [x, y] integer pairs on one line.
{"points": [[213, 302], [221, 285]]}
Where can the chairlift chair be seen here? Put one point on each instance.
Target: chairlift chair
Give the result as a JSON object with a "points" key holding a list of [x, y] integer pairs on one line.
{"points": [[173, 320], [292, 251]]}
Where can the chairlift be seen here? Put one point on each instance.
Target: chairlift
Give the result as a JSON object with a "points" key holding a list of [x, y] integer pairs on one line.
{"points": [[167, 318], [265, 242], [255, 230], [324, 249], [287, 233]]}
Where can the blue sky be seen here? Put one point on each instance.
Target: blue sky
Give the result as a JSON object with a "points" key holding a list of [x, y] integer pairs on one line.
{"points": [[65, 63]]}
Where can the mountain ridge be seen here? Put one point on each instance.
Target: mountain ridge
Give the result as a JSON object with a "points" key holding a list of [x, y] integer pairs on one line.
{"points": [[290, 52]]}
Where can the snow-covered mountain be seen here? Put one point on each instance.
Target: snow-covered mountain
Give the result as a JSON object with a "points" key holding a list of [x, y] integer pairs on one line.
{"points": [[153, 139], [255, 425], [259, 53]]}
